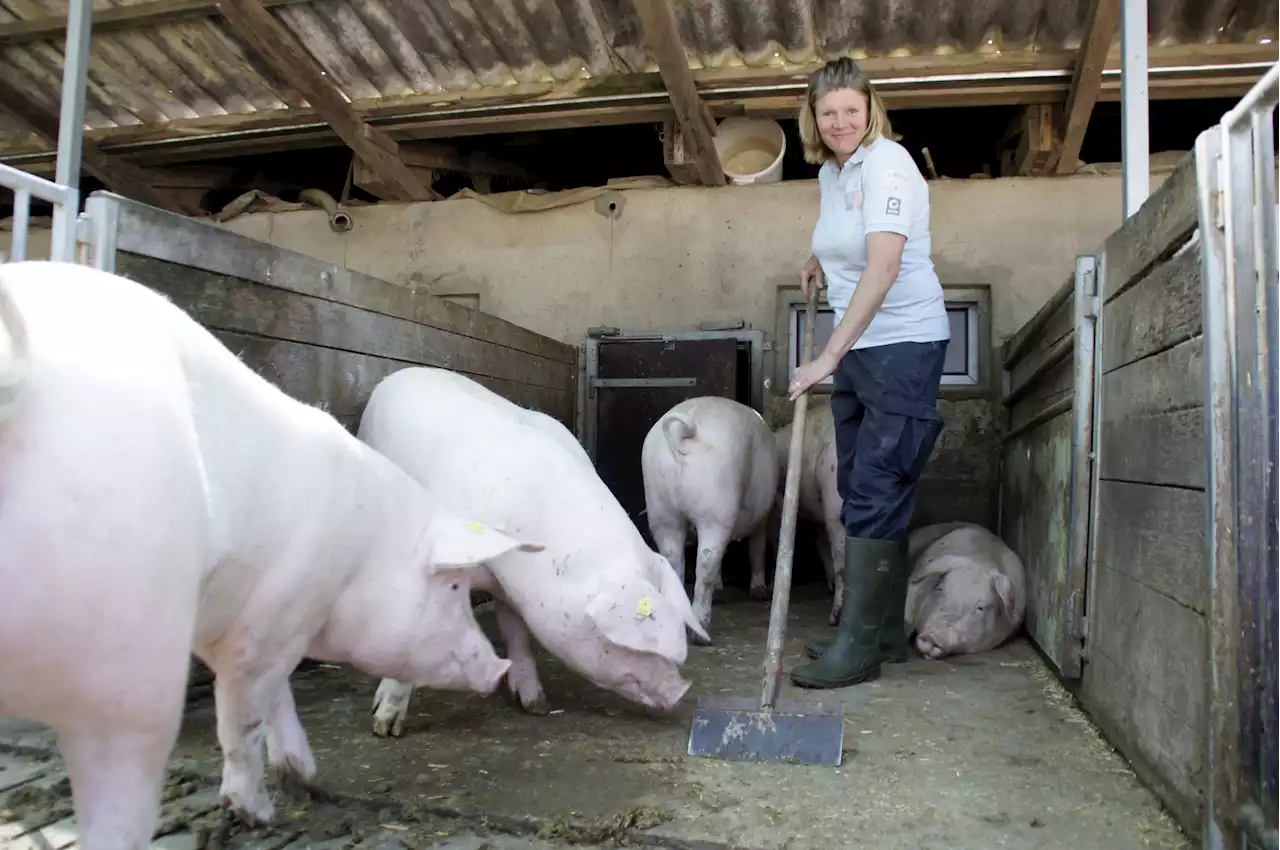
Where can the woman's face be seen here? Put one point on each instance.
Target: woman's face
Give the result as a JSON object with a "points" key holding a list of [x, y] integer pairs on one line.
{"points": [[842, 120]]}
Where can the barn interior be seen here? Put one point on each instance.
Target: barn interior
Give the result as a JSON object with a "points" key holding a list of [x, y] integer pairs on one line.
{"points": [[532, 194]]}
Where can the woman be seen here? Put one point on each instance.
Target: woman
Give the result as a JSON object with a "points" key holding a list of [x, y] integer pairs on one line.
{"points": [[871, 243]]}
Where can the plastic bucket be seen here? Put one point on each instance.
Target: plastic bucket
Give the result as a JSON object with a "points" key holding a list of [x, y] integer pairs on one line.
{"points": [[751, 149]]}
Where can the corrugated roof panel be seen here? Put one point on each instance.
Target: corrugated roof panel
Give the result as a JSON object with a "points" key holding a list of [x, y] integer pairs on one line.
{"points": [[379, 51]]}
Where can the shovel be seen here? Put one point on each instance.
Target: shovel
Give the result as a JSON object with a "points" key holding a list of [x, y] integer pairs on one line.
{"points": [[746, 729]]}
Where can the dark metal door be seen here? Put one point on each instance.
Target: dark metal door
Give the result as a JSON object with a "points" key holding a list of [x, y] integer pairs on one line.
{"points": [[635, 382]]}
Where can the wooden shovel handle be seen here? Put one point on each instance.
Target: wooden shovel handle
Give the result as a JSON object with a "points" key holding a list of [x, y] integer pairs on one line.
{"points": [[790, 507]]}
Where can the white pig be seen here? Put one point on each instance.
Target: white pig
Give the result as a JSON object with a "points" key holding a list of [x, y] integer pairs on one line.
{"points": [[159, 499], [819, 491], [967, 591], [709, 462], [596, 597]]}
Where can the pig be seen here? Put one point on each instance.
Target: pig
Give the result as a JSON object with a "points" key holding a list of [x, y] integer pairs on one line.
{"points": [[159, 499], [597, 597], [709, 462], [820, 499], [967, 591]]}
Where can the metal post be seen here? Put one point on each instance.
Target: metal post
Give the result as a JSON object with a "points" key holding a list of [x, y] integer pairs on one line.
{"points": [[75, 64], [1135, 146]]}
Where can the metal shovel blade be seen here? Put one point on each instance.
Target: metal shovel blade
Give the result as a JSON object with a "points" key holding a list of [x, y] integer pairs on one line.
{"points": [[742, 729]]}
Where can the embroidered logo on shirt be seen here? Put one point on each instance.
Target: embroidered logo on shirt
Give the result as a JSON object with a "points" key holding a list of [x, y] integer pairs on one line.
{"points": [[893, 206]]}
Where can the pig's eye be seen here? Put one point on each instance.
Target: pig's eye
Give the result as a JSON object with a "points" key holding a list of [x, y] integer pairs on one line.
{"points": [[453, 586], [981, 607]]}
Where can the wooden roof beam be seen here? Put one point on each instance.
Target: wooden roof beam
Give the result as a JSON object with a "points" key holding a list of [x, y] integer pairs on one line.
{"points": [[288, 58], [123, 178], [692, 116], [1086, 82], [137, 16]]}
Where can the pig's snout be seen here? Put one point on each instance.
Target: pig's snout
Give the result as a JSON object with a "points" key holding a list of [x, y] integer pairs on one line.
{"points": [[929, 645], [485, 673]]}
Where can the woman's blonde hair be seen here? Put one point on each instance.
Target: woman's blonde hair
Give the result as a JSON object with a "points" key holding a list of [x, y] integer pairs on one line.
{"points": [[842, 73]]}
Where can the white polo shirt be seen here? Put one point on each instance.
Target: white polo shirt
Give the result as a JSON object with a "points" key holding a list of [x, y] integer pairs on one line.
{"points": [[880, 189]]}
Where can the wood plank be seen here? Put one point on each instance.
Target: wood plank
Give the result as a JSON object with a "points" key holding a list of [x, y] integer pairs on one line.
{"points": [[1155, 536], [1025, 338], [1167, 754], [228, 304], [1159, 228], [1163, 448], [1153, 419], [1155, 639], [658, 23], [1036, 513], [1155, 314], [340, 382], [1086, 82], [145, 232], [1041, 362], [1168, 381], [288, 58], [1054, 385]]}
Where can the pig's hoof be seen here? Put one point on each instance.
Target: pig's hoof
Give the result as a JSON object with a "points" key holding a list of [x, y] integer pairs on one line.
{"points": [[393, 725], [834, 617], [252, 813], [538, 705], [759, 592], [697, 639]]}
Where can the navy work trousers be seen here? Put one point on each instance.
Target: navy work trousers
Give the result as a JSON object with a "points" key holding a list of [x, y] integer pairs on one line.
{"points": [[884, 402]]}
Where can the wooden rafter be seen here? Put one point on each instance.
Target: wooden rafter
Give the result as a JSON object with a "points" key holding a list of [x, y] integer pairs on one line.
{"points": [[137, 16], [277, 46], [692, 116], [1086, 82], [123, 178]]}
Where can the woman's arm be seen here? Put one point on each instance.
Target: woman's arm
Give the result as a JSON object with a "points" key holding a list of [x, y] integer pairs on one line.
{"points": [[884, 259]]}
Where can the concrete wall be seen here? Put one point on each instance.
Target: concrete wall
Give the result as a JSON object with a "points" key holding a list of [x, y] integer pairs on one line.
{"points": [[677, 256]]}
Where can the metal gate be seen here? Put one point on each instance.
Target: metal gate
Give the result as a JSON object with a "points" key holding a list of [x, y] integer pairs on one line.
{"points": [[632, 379], [1238, 215]]}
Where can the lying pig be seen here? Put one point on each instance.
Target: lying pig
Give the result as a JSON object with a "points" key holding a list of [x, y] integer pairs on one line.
{"points": [[157, 500], [819, 491], [709, 462], [967, 591], [596, 597]]}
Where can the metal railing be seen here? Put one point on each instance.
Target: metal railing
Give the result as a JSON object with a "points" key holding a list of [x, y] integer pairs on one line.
{"points": [[1236, 161], [63, 191]]}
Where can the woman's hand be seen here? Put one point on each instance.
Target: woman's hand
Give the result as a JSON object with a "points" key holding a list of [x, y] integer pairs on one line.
{"points": [[811, 272], [812, 373]]}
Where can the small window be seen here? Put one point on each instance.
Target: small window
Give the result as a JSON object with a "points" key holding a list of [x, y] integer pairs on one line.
{"points": [[963, 366]]}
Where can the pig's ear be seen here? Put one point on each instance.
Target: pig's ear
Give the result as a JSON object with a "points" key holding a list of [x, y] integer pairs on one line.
{"points": [[1005, 590], [633, 614], [672, 590], [926, 575], [453, 542]]}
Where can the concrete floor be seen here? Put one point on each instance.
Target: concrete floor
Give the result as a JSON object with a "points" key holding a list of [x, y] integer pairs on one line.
{"points": [[979, 752]]}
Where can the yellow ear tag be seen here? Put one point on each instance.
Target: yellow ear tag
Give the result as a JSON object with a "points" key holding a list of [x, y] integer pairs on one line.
{"points": [[475, 526], [645, 607]]}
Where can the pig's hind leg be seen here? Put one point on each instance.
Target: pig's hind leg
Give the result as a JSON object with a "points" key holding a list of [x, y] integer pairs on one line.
{"points": [[288, 753], [712, 541], [245, 702], [756, 551], [522, 677], [116, 753]]}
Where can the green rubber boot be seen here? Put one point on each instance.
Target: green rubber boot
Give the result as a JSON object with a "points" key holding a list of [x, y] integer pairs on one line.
{"points": [[895, 648], [854, 655]]}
